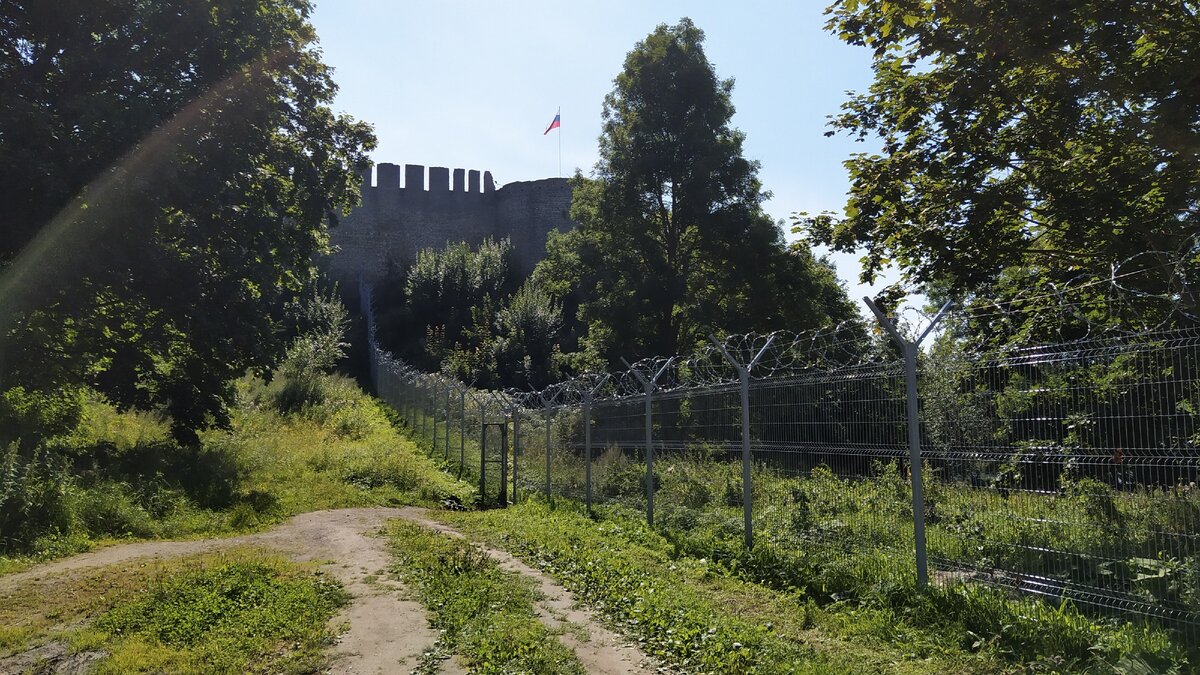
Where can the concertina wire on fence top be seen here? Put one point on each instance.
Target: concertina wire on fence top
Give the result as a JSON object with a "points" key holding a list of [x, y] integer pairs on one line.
{"points": [[1059, 472]]}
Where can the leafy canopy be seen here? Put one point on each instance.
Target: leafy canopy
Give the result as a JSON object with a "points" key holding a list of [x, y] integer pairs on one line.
{"points": [[168, 169], [1024, 145]]}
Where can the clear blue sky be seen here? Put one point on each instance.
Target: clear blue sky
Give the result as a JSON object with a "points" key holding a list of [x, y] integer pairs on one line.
{"points": [[474, 84]]}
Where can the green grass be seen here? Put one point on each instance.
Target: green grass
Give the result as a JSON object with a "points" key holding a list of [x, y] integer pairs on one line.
{"points": [[691, 614], [486, 614], [838, 540], [691, 602], [239, 611], [120, 476]]}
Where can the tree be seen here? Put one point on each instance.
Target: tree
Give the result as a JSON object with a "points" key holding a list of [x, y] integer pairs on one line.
{"points": [[1026, 146], [168, 170], [672, 240], [527, 331], [466, 312], [445, 301]]}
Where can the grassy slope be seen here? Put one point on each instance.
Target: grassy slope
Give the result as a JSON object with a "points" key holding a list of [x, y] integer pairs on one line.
{"points": [[128, 480], [233, 612]]}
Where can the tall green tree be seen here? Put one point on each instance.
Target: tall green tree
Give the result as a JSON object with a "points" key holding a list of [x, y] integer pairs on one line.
{"points": [[1015, 147], [672, 240], [168, 169]]}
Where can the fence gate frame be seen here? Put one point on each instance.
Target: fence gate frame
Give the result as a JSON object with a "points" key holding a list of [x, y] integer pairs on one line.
{"points": [[502, 497]]}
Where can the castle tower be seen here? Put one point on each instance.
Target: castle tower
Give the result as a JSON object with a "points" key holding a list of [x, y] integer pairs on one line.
{"points": [[396, 221]]}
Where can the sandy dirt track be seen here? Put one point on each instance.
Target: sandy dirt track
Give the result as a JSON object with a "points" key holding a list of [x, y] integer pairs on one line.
{"points": [[388, 632]]}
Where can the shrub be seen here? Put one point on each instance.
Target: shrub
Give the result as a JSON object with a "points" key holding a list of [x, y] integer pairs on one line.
{"points": [[313, 353]]}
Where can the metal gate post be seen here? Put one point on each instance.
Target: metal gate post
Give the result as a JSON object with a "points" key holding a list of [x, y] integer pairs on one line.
{"points": [[462, 430], [503, 465], [911, 351], [743, 372], [516, 448]]}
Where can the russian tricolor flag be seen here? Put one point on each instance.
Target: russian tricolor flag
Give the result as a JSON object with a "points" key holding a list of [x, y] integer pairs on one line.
{"points": [[554, 125]]}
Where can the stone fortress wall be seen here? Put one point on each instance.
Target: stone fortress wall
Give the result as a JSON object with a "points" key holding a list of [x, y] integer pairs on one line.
{"points": [[396, 220]]}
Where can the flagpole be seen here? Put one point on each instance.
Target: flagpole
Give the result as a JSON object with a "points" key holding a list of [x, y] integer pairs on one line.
{"points": [[559, 116]]}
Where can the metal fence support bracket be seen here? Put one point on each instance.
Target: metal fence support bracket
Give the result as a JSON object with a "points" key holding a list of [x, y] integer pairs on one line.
{"points": [[743, 372], [911, 352]]}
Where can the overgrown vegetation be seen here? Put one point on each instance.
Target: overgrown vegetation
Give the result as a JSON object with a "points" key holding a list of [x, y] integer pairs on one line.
{"points": [[306, 440], [122, 475], [468, 312], [485, 614], [235, 612], [684, 610], [848, 544]]}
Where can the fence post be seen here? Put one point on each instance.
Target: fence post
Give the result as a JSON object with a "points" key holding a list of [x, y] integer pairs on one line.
{"points": [[549, 422], [588, 396], [503, 460], [482, 447], [587, 449], [743, 372], [516, 446], [911, 351], [423, 406], [404, 400], [393, 385], [547, 400], [462, 430], [408, 402], [648, 385], [449, 391]]}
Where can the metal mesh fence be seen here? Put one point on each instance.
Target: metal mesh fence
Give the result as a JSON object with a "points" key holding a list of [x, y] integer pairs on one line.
{"points": [[1061, 473], [1068, 471]]}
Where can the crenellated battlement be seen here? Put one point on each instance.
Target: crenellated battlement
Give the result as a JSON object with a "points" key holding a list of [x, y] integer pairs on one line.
{"points": [[436, 206], [387, 177]]}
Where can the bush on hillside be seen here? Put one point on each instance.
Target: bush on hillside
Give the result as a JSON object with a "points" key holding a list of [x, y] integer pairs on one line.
{"points": [[313, 353]]}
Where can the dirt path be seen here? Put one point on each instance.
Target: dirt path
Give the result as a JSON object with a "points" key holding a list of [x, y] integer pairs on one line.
{"points": [[599, 649], [388, 632]]}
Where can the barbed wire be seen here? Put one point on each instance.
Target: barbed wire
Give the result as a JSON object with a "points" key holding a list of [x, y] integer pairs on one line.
{"points": [[1080, 314]]}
